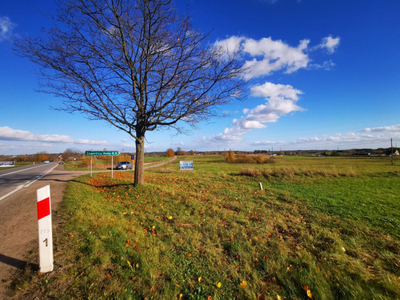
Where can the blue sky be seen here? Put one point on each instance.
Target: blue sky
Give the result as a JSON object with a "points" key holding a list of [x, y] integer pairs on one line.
{"points": [[323, 74]]}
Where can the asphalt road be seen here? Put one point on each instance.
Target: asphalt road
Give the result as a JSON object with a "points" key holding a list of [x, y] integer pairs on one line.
{"points": [[13, 180]]}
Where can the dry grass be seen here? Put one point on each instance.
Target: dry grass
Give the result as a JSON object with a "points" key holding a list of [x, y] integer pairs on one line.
{"points": [[292, 172], [248, 159]]}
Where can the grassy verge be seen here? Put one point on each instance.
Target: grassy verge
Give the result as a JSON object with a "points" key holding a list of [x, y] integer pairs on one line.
{"points": [[318, 230]]}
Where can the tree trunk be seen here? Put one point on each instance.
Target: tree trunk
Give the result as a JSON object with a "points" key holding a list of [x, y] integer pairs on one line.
{"points": [[139, 175]]}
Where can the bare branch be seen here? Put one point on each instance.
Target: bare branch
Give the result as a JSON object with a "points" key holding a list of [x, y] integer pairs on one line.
{"points": [[136, 64]]}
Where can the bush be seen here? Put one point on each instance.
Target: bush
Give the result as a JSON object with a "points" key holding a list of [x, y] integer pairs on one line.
{"points": [[230, 156], [241, 158], [170, 153], [85, 162], [245, 160], [259, 159]]}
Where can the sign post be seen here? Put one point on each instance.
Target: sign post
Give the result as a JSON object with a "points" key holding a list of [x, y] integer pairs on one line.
{"points": [[102, 153], [46, 262]]}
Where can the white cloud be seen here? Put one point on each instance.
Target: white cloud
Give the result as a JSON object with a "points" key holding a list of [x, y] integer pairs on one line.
{"points": [[384, 128], [270, 89], [352, 139], [264, 56], [326, 65], [280, 100], [230, 45], [329, 43], [266, 143], [6, 28], [274, 55], [9, 134], [226, 137], [90, 142]]}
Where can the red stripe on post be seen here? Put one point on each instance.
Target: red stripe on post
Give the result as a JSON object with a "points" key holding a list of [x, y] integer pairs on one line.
{"points": [[43, 208]]}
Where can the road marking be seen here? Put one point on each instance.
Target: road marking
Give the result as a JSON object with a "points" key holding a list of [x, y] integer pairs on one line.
{"points": [[21, 170], [12, 192], [28, 183]]}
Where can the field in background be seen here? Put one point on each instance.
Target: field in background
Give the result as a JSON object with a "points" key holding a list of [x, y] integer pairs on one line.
{"points": [[322, 228]]}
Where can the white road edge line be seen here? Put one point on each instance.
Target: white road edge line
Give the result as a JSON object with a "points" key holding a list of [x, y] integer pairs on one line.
{"points": [[12, 192], [28, 183], [21, 170]]}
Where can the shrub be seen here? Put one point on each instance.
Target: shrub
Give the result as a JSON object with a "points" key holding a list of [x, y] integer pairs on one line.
{"points": [[259, 159], [242, 158], [170, 153], [85, 162], [245, 160], [230, 156]]}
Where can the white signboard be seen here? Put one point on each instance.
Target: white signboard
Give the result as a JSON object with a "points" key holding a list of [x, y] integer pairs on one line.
{"points": [[5, 164], [46, 262], [186, 165]]}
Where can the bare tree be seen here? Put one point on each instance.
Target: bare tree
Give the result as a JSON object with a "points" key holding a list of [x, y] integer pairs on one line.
{"points": [[135, 64]]}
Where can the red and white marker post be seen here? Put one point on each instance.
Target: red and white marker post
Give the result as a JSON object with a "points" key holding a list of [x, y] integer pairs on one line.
{"points": [[45, 230]]}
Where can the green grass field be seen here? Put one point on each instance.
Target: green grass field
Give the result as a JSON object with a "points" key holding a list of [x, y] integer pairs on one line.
{"points": [[322, 228]]}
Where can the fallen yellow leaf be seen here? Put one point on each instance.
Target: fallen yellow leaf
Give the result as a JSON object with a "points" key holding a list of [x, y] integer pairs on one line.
{"points": [[219, 284], [243, 284], [309, 294]]}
